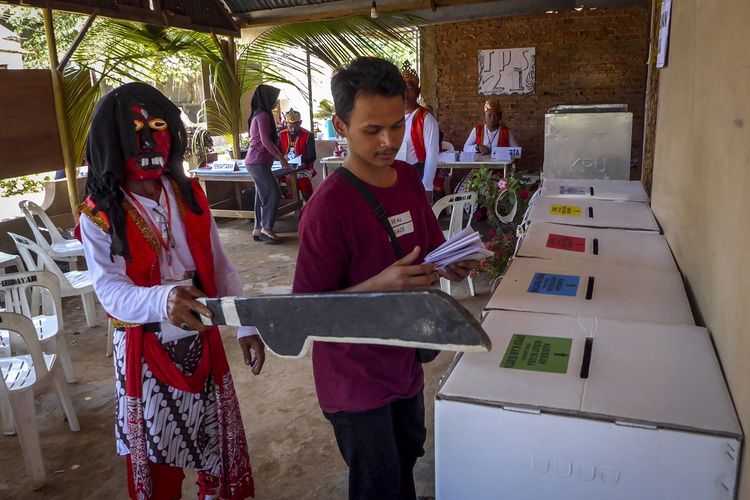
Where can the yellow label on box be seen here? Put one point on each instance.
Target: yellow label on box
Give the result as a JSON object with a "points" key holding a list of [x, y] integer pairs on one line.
{"points": [[566, 210]]}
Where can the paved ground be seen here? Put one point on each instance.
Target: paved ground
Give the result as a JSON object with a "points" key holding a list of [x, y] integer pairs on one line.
{"points": [[292, 447]]}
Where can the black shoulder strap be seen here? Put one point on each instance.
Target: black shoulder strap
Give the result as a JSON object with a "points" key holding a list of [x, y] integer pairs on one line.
{"points": [[377, 208]]}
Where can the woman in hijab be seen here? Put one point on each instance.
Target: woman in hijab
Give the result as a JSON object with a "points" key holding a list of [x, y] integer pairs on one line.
{"points": [[263, 150]]}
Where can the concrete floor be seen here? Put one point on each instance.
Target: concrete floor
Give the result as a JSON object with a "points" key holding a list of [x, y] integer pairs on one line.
{"points": [[292, 447]]}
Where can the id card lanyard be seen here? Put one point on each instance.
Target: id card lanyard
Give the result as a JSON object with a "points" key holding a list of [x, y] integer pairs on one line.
{"points": [[165, 245]]}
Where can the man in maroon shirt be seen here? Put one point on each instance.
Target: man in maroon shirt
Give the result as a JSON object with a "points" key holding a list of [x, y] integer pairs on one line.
{"points": [[371, 394]]}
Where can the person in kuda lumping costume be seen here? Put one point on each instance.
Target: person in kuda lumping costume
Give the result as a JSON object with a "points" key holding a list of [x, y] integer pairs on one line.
{"points": [[152, 248]]}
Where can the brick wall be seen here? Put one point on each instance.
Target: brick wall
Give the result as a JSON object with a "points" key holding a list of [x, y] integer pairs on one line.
{"points": [[591, 56]]}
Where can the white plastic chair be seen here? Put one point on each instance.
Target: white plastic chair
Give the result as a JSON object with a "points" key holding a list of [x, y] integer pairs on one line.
{"points": [[446, 146], [456, 202], [58, 247], [16, 291], [72, 283], [22, 378]]}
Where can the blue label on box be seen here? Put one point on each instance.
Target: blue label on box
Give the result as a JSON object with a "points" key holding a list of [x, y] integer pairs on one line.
{"points": [[554, 284]]}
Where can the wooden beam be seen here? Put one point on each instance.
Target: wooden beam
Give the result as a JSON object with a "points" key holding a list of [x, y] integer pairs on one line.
{"points": [[129, 13], [62, 122], [275, 17], [76, 43]]}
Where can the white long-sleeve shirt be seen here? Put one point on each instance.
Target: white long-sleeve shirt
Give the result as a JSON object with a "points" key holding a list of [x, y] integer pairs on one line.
{"points": [[489, 139], [431, 134], [128, 302]]}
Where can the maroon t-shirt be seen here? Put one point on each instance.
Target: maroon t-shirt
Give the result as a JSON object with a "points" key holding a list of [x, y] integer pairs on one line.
{"points": [[342, 243]]}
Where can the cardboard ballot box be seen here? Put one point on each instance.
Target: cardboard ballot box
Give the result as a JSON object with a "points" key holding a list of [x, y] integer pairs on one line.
{"points": [[592, 213], [591, 289], [567, 408], [614, 190], [614, 246]]}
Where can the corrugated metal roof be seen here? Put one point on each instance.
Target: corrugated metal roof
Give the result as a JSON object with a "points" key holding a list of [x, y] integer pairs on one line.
{"points": [[243, 6]]}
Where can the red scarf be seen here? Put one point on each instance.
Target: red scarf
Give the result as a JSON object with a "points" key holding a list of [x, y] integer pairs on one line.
{"points": [[503, 138], [417, 134], [236, 481]]}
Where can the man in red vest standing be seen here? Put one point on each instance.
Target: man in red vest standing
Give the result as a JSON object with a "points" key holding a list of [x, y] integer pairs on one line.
{"points": [[492, 133], [297, 141], [421, 135]]}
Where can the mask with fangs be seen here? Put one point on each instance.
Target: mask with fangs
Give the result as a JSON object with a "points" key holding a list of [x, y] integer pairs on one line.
{"points": [[153, 145]]}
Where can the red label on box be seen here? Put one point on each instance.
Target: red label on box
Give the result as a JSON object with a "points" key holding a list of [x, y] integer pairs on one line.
{"points": [[570, 243]]}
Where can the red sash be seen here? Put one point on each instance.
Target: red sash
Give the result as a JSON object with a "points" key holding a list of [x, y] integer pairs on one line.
{"points": [[417, 134], [503, 138]]}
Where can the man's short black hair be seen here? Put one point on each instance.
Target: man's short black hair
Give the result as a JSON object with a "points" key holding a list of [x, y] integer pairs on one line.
{"points": [[364, 75]]}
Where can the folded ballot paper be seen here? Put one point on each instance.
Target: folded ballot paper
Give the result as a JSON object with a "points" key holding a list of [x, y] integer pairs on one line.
{"points": [[466, 245]]}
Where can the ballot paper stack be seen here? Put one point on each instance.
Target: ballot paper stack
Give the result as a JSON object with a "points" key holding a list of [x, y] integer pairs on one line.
{"points": [[466, 245]]}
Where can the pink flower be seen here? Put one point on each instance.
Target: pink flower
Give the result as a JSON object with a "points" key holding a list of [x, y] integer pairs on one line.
{"points": [[491, 233], [502, 184]]}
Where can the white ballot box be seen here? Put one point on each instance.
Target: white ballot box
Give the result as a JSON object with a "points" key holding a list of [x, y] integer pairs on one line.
{"points": [[571, 408], [613, 246], [614, 190], [592, 289], [592, 213]]}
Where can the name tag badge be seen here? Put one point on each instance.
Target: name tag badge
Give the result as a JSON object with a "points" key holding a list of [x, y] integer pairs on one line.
{"points": [[403, 229], [402, 224], [399, 219]]}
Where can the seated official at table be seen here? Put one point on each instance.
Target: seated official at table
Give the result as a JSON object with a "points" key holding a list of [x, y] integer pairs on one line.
{"points": [[491, 133], [297, 141]]}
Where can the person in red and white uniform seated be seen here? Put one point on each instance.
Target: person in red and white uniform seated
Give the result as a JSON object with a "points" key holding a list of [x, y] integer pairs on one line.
{"points": [[421, 144], [297, 141], [491, 133]]}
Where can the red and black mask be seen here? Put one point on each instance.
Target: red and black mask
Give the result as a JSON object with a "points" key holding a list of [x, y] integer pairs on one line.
{"points": [[153, 146], [136, 134]]}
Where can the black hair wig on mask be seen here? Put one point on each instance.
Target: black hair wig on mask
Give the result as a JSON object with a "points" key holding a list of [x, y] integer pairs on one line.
{"points": [[112, 140]]}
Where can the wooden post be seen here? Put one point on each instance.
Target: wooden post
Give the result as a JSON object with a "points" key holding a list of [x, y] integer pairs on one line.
{"points": [[309, 92], [235, 105], [62, 122], [652, 99]]}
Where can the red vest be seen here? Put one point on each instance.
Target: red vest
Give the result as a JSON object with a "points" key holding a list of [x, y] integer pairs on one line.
{"points": [[503, 138], [143, 270], [300, 145], [417, 134]]}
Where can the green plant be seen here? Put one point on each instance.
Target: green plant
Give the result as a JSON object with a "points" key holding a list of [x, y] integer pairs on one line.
{"points": [[201, 145], [20, 185], [504, 201], [325, 110]]}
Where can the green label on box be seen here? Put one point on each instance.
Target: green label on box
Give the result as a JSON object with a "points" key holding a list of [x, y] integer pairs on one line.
{"points": [[536, 353]]}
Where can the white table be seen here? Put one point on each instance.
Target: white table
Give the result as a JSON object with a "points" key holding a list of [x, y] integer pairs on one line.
{"points": [[208, 175], [332, 162]]}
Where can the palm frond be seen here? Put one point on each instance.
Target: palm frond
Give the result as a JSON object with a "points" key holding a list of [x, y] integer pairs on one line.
{"points": [[337, 42], [81, 97]]}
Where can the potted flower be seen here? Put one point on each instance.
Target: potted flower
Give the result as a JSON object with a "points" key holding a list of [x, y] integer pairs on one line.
{"points": [[504, 201]]}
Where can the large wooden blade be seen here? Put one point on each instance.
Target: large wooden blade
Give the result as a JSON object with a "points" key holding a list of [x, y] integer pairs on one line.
{"points": [[289, 323]]}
